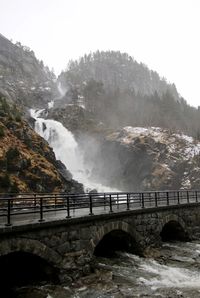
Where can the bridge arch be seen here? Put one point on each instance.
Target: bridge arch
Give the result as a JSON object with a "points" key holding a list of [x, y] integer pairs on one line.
{"points": [[115, 236], [31, 246], [25, 261], [173, 228]]}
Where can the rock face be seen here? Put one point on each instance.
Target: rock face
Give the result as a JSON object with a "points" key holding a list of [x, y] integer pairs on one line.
{"points": [[76, 119], [27, 162], [24, 79], [136, 158]]}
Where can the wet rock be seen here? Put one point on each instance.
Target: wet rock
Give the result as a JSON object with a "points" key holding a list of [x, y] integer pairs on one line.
{"points": [[183, 259], [58, 291], [130, 159], [30, 292]]}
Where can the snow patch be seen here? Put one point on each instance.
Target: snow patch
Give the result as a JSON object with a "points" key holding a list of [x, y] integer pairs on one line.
{"points": [[50, 104], [186, 184], [180, 144]]}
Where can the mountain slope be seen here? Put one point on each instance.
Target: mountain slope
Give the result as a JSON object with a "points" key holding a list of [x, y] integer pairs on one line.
{"points": [[116, 71], [23, 78], [121, 92]]}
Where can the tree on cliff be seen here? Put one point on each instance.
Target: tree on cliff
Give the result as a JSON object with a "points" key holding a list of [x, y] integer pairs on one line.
{"points": [[93, 93]]}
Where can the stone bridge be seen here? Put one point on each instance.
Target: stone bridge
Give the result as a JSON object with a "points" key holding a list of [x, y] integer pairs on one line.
{"points": [[64, 249]]}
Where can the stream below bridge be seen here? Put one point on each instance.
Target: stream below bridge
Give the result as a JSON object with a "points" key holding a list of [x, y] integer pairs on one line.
{"points": [[173, 271]]}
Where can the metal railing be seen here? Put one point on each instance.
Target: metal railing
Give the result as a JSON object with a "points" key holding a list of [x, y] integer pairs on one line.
{"points": [[24, 208]]}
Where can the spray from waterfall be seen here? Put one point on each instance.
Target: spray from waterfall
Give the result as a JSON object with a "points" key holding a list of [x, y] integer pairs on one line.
{"points": [[61, 89], [66, 149]]}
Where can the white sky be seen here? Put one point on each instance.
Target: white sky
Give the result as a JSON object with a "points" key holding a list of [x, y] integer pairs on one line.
{"points": [[163, 34]]}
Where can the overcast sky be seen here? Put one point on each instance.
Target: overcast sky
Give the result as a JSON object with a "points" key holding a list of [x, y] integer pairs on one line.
{"points": [[163, 34]]}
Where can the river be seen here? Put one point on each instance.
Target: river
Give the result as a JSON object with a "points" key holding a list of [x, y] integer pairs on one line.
{"points": [[171, 271]]}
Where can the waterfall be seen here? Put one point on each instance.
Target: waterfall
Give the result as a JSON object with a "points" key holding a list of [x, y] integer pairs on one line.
{"points": [[66, 149], [61, 89]]}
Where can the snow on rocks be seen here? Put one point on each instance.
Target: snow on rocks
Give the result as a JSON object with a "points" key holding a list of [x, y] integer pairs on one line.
{"points": [[175, 156], [182, 144]]}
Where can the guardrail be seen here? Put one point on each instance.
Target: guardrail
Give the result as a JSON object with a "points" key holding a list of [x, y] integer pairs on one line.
{"points": [[26, 206]]}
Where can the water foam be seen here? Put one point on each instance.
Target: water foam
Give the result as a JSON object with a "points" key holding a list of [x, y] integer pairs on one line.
{"points": [[169, 277], [66, 149], [156, 275]]}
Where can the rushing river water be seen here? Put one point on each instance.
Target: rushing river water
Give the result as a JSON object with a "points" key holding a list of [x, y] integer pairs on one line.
{"points": [[173, 271]]}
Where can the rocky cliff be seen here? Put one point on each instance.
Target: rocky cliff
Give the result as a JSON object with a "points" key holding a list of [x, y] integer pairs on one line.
{"points": [[27, 162], [136, 158], [76, 119]]}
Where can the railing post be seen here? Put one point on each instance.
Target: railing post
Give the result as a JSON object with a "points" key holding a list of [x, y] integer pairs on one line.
{"points": [[156, 200], [41, 210], [8, 212], [167, 198], [127, 202], [188, 198], [35, 201], [73, 205], [178, 198], [196, 196], [117, 201], [104, 201], [110, 200], [90, 198], [142, 200], [55, 201], [68, 208]]}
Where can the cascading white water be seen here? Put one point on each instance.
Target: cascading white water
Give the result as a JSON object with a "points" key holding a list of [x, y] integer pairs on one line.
{"points": [[176, 273], [66, 149], [61, 89]]}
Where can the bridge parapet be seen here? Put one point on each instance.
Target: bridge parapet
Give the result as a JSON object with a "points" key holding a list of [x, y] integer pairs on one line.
{"points": [[26, 208]]}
